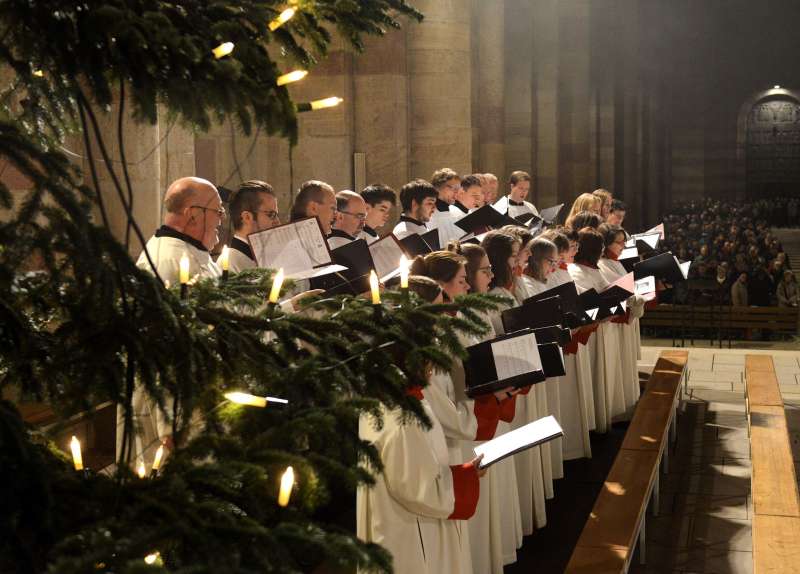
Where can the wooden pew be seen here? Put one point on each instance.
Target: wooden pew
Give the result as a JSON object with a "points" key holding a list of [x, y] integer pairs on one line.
{"points": [[608, 539], [776, 503]]}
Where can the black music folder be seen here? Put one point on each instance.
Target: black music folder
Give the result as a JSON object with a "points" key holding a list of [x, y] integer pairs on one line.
{"points": [[665, 267], [572, 306], [553, 334], [485, 217], [510, 360], [552, 358], [533, 314], [532, 434], [353, 280], [414, 245], [644, 242], [620, 290]]}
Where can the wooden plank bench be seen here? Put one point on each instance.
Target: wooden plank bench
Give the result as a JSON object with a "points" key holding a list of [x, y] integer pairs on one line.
{"points": [[776, 502], [608, 539]]}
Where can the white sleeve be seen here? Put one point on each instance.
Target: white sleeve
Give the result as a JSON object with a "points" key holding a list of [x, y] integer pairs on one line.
{"points": [[457, 419]]}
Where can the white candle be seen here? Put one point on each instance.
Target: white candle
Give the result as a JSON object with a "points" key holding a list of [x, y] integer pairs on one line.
{"points": [[287, 483], [375, 288], [282, 18], [276, 286], [184, 265], [252, 400], [223, 50], [77, 458], [158, 457], [294, 76], [141, 470], [403, 272], [224, 258]]}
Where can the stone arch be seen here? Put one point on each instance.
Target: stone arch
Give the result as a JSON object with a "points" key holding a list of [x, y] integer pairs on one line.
{"points": [[768, 144]]}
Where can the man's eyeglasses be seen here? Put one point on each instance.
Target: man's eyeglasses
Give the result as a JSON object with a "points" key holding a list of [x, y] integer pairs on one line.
{"points": [[359, 216], [273, 215], [220, 212]]}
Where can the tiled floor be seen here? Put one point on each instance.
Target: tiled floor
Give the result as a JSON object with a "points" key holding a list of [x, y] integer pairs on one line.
{"points": [[704, 520]]}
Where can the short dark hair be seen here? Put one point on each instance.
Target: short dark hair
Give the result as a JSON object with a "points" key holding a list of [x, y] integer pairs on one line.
{"points": [[618, 205], [470, 181], [247, 198], [311, 190], [610, 232], [558, 237], [377, 193], [518, 176], [442, 176], [499, 246], [416, 190], [590, 246]]}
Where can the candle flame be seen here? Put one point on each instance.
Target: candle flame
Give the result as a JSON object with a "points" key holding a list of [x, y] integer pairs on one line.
{"points": [[294, 76], [77, 458], [184, 266], [141, 470], [287, 483], [276, 286], [223, 50], [326, 103], [374, 288], [225, 258], [282, 18], [158, 457]]}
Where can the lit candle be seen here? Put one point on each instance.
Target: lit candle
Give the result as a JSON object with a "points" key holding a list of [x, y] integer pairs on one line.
{"points": [[287, 482], [154, 558], [282, 18], [38, 73], [225, 261], [294, 76], [141, 470], [223, 50], [403, 272], [374, 288], [157, 459], [252, 400], [77, 458], [277, 282], [184, 275], [326, 103]]}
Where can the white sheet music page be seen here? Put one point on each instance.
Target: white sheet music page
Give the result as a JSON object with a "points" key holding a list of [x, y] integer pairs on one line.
{"points": [[646, 285], [501, 205], [516, 356], [532, 434], [281, 247], [386, 254]]}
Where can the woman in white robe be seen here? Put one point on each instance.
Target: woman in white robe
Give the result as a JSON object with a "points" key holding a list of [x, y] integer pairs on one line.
{"points": [[419, 500], [576, 400], [495, 530], [628, 325], [604, 344], [502, 250]]}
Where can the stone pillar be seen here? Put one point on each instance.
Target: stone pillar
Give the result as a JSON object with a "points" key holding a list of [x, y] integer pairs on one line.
{"points": [[518, 96], [439, 76], [490, 31], [546, 102]]}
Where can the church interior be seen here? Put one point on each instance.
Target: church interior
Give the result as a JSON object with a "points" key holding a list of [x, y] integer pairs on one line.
{"points": [[399, 286]]}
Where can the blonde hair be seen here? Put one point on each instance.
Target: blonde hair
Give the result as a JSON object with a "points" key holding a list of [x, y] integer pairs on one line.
{"points": [[584, 202], [605, 196]]}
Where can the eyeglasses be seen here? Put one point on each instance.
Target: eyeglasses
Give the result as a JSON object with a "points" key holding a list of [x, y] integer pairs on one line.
{"points": [[273, 215], [552, 262], [359, 216], [220, 212], [487, 269]]}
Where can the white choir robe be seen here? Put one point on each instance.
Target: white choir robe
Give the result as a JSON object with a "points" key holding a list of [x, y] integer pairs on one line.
{"points": [[548, 399], [604, 348], [338, 238], [369, 235], [407, 226], [151, 425], [497, 517], [528, 464], [464, 422], [419, 502], [517, 210], [611, 271]]}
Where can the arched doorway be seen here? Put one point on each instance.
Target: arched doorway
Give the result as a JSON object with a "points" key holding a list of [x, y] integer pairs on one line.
{"points": [[773, 147]]}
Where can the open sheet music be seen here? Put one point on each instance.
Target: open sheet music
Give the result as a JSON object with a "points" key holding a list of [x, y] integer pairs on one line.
{"points": [[386, 254], [530, 435], [298, 247], [516, 356]]}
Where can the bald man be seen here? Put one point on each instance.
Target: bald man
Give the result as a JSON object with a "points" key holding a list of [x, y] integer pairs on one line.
{"points": [[191, 226], [352, 215]]}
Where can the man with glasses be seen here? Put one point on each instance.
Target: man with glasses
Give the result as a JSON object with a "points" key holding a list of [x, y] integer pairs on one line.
{"points": [[191, 226], [352, 216], [253, 208]]}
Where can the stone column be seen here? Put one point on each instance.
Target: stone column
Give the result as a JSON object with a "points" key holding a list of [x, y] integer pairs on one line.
{"points": [[490, 31], [518, 96], [546, 97], [439, 77]]}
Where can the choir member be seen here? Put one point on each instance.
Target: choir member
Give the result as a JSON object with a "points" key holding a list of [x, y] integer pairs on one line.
{"points": [[584, 202], [616, 213], [576, 397], [253, 207], [502, 250], [418, 200], [352, 210], [604, 344], [315, 199], [469, 196], [380, 200], [606, 198], [490, 188], [191, 226], [627, 325], [519, 187], [447, 183], [584, 219], [420, 497]]}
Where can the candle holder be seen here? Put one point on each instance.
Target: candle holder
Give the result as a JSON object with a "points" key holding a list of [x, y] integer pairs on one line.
{"points": [[184, 291], [224, 275]]}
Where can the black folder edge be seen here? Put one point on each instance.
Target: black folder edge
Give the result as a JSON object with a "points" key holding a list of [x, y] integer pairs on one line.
{"points": [[349, 281], [552, 360], [486, 216], [553, 314], [516, 382]]}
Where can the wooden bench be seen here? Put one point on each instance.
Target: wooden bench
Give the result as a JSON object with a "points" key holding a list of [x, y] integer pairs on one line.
{"points": [[617, 521], [776, 502]]}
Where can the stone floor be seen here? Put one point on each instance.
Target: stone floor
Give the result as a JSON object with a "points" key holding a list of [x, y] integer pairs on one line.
{"points": [[704, 521]]}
